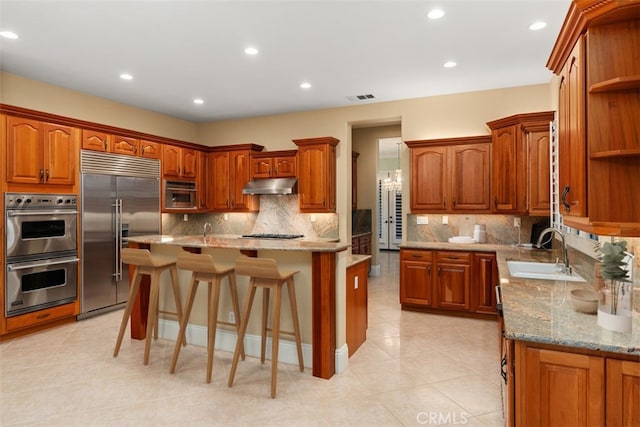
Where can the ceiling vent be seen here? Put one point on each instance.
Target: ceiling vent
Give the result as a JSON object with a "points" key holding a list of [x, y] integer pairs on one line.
{"points": [[356, 98]]}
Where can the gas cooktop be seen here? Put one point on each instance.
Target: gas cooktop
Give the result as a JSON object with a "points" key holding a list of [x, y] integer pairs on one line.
{"points": [[272, 236]]}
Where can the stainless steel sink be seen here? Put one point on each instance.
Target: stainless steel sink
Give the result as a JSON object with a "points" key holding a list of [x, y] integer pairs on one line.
{"points": [[541, 270]]}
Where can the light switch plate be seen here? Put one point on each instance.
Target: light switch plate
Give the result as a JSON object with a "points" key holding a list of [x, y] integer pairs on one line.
{"points": [[445, 220]]}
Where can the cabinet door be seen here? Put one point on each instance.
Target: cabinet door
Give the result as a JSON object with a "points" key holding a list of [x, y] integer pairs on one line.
{"points": [[60, 148], [428, 179], [453, 281], [470, 173], [571, 135], [189, 162], [356, 306], [313, 189], [539, 172], [557, 388], [261, 168], [171, 160], [416, 277], [485, 279], [124, 145], [219, 190], [240, 175], [505, 165], [24, 151], [623, 393], [149, 149], [96, 141], [284, 167], [203, 169]]}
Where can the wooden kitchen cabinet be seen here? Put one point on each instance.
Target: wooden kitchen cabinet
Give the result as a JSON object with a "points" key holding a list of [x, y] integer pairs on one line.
{"points": [[118, 144], [179, 161], [356, 305], [95, 141], [150, 149], [622, 406], [416, 277], [203, 181], [230, 169], [538, 140], [450, 175], [452, 282], [40, 152], [317, 174], [485, 280], [273, 164], [599, 103], [125, 145]]}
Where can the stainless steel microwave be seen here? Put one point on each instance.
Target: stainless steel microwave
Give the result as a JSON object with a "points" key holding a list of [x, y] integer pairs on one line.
{"points": [[180, 195]]}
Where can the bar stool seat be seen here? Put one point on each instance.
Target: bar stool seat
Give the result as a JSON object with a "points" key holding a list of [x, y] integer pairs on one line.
{"points": [[153, 266], [205, 270], [264, 273]]}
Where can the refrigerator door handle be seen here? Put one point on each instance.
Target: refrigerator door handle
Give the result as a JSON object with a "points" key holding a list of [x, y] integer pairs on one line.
{"points": [[118, 231]]}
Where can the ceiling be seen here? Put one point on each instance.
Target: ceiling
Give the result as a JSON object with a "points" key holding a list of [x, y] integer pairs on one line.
{"points": [[180, 50]]}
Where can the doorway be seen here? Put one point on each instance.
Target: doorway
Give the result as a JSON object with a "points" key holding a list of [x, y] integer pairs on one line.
{"points": [[389, 194]]}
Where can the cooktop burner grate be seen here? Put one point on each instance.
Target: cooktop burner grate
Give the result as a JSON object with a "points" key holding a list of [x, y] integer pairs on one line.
{"points": [[272, 236]]}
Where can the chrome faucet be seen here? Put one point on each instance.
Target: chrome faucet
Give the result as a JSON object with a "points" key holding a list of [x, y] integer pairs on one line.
{"points": [[206, 229], [565, 257]]}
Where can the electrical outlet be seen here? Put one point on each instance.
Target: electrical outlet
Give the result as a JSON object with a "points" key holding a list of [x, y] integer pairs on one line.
{"points": [[232, 317], [185, 218], [422, 220], [516, 221], [225, 217], [445, 220]]}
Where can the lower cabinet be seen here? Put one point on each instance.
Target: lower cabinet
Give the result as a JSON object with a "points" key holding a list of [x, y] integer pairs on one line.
{"points": [[557, 386], [356, 305], [451, 280]]}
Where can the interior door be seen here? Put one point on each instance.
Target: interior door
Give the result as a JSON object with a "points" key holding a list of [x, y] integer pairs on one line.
{"points": [[389, 217]]}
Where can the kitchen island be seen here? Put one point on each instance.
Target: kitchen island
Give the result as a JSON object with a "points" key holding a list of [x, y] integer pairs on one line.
{"points": [[321, 256]]}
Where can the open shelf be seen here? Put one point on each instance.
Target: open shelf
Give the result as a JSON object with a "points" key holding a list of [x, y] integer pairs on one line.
{"points": [[615, 154], [618, 83]]}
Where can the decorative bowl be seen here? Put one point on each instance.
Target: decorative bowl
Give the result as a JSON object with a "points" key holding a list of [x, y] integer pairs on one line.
{"points": [[584, 301]]}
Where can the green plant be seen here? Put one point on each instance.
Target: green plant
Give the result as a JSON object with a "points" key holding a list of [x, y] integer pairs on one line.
{"points": [[612, 259]]}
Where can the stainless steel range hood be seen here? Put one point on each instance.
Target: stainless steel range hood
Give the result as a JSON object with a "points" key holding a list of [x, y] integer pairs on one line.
{"points": [[271, 186]]}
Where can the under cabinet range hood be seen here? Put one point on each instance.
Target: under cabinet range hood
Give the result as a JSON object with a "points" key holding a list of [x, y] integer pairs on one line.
{"points": [[271, 186]]}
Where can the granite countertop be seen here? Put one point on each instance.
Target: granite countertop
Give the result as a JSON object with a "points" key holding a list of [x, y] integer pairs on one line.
{"points": [[365, 233], [354, 259], [233, 241], [540, 310]]}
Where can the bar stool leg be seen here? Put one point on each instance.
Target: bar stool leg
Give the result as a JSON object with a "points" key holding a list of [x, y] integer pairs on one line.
{"points": [[137, 278], [153, 312], [265, 318], [233, 290], [176, 295], [275, 337], [296, 323], [183, 328], [248, 302], [214, 299]]}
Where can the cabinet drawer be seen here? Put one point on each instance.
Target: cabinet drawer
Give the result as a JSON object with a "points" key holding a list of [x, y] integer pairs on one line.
{"points": [[40, 317], [415, 255], [454, 257]]}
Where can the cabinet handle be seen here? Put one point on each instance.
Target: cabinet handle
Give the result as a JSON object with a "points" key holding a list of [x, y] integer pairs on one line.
{"points": [[43, 316], [454, 257], [429, 270], [178, 170], [454, 202], [444, 202], [135, 150], [566, 205], [439, 270], [46, 175], [495, 202], [42, 175], [105, 145], [143, 149]]}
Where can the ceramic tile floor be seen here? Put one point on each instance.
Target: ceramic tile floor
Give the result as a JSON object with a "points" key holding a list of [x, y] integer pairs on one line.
{"points": [[414, 369]]}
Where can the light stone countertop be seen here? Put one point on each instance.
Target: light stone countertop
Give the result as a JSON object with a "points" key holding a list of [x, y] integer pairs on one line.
{"points": [[233, 241], [354, 259], [540, 310]]}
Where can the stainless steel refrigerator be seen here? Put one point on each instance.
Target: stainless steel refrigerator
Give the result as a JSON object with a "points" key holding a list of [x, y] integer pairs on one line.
{"points": [[114, 206]]}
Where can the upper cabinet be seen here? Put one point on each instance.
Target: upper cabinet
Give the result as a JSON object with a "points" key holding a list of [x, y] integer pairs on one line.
{"points": [[273, 164], [203, 181], [450, 175], [40, 152], [317, 174], [150, 149], [599, 106], [230, 171], [108, 143], [513, 166], [179, 162]]}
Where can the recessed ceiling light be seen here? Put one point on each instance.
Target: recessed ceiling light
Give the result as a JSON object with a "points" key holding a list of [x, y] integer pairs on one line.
{"points": [[8, 35], [198, 101], [449, 64], [537, 26], [251, 51], [305, 85], [126, 76], [435, 14]]}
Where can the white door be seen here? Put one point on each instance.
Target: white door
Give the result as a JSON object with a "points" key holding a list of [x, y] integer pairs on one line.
{"points": [[389, 216]]}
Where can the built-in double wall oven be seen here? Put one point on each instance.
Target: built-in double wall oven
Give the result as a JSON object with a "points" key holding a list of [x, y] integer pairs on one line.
{"points": [[41, 262]]}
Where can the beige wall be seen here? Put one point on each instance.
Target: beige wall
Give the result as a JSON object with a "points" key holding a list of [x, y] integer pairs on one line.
{"points": [[22, 92]]}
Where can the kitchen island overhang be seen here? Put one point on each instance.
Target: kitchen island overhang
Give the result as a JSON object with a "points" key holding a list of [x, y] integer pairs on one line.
{"points": [[323, 284]]}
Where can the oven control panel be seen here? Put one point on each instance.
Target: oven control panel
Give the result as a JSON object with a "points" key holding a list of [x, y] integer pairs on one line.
{"points": [[40, 201]]}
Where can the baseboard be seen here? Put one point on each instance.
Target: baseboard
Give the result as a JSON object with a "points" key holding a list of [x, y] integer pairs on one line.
{"points": [[226, 340], [342, 358]]}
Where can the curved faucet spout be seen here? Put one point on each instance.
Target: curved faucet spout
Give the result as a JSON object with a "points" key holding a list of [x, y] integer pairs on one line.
{"points": [[565, 257], [207, 228]]}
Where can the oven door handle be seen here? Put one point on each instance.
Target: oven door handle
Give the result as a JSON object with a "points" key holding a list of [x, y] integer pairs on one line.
{"points": [[40, 213], [24, 266]]}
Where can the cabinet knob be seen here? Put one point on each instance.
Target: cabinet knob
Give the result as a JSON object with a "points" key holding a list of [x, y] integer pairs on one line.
{"points": [[42, 175], [444, 202]]}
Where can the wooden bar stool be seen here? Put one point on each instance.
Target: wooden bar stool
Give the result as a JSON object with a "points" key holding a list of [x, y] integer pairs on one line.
{"points": [[205, 270], [153, 266], [264, 273]]}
